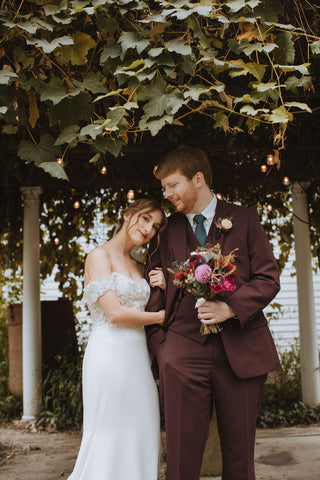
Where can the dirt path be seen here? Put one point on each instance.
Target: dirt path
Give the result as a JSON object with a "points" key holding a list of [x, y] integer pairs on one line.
{"points": [[281, 454], [32, 455]]}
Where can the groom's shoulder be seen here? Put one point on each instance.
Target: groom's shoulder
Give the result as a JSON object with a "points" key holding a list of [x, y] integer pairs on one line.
{"points": [[176, 218], [240, 210]]}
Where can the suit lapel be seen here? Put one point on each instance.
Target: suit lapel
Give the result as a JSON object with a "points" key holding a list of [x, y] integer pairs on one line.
{"points": [[178, 243], [178, 238], [222, 211]]}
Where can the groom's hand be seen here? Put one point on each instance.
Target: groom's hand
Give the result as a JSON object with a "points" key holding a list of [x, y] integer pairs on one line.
{"points": [[156, 278], [215, 312]]}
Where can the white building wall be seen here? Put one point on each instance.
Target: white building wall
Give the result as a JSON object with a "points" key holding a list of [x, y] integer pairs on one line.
{"points": [[286, 327]]}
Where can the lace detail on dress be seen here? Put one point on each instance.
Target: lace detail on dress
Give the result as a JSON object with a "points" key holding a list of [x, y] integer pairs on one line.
{"points": [[97, 288], [131, 293]]}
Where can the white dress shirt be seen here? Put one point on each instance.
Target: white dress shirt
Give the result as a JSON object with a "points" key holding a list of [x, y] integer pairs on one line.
{"points": [[208, 212]]}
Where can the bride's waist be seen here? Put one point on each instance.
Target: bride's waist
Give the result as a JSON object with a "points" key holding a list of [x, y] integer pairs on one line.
{"points": [[117, 329]]}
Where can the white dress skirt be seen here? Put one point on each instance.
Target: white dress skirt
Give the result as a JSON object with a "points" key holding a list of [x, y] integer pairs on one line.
{"points": [[121, 421]]}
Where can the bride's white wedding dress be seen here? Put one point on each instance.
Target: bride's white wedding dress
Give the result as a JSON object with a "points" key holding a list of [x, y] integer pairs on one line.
{"points": [[121, 425]]}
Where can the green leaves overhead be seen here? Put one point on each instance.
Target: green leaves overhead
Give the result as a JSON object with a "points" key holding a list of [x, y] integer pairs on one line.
{"points": [[44, 151], [133, 40], [71, 110], [6, 76], [178, 46], [75, 52], [54, 169], [49, 47], [97, 71], [315, 47]]}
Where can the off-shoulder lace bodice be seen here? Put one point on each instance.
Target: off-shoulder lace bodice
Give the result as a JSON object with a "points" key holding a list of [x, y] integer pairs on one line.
{"points": [[131, 293]]}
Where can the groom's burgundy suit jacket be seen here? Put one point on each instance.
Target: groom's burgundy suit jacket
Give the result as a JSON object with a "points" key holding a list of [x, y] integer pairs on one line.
{"points": [[247, 340]]}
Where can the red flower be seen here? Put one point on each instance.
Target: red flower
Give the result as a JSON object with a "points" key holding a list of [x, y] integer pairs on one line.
{"points": [[216, 287], [179, 275], [228, 284]]}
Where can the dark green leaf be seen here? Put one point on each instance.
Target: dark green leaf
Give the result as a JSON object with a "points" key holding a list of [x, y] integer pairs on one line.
{"points": [[53, 91], [178, 46], [44, 151], [133, 40], [49, 47], [155, 125], [285, 53], [67, 135], [54, 169], [71, 110], [6, 76]]}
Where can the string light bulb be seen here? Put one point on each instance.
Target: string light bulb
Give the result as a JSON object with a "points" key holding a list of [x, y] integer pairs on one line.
{"points": [[270, 160], [155, 168], [56, 241], [130, 194], [103, 170], [218, 195], [60, 161], [263, 168], [269, 207], [76, 204], [286, 180]]}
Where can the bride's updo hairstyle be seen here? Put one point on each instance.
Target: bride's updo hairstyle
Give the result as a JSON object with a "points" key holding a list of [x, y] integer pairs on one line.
{"points": [[144, 205]]}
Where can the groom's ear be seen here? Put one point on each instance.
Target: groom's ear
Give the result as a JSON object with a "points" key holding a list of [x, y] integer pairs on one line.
{"points": [[198, 180]]}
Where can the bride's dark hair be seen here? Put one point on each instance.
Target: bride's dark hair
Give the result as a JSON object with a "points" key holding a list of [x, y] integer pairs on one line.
{"points": [[145, 205]]}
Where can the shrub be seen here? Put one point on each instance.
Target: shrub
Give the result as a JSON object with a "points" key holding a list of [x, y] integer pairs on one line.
{"points": [[10, 406], [61, 406], [282, 402]]}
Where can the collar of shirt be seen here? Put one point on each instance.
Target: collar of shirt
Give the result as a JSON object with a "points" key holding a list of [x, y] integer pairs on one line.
{"points": [[208, 212]]}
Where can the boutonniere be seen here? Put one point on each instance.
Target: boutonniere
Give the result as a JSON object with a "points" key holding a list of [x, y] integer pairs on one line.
{"points": [[223, 225]]}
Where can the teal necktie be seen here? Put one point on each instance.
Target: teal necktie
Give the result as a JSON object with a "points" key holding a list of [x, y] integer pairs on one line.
{"points": [[200, 230]]}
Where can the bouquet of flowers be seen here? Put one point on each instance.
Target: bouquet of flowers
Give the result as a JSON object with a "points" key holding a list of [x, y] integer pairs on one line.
{"points": [[207, 274]]}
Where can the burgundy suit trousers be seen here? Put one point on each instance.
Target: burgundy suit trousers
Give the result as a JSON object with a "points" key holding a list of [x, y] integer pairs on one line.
{"points": [[192, 376]]}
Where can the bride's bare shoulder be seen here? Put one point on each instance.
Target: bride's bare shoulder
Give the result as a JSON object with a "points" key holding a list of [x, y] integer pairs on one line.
{"points": [[100, 253], [98, 263]]}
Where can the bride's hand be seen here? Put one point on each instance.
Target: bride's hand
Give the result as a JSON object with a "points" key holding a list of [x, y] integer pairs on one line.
{"points": [[161, 314], [156, 278]]}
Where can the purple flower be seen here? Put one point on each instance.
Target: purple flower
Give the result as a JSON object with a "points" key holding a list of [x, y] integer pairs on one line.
{"points": [[203, 273]]}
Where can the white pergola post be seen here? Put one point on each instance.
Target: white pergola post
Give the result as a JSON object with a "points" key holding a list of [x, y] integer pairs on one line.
{"points": [[307, 321], [31, 311]]}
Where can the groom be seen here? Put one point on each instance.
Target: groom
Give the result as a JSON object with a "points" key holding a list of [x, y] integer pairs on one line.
{"points": [[229, 367]]}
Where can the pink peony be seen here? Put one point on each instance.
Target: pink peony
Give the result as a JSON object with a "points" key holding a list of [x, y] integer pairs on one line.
{"points": [[203, 273], [228, 284]]}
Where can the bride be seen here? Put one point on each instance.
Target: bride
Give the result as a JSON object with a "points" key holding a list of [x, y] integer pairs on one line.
{"points": [[121, 425]]}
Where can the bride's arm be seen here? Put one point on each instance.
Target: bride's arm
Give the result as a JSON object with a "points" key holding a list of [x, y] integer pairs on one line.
{"points": [[97, 266], [125, 316]]}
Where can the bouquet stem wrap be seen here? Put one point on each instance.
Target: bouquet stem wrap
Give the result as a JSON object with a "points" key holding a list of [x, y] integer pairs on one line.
{"points": [[211, 328]]}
